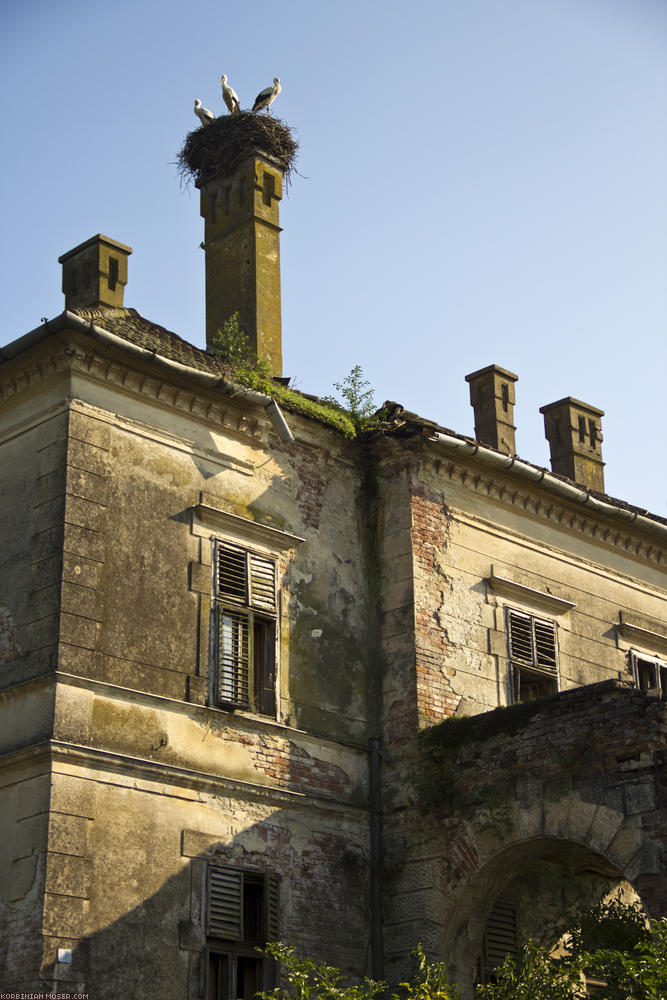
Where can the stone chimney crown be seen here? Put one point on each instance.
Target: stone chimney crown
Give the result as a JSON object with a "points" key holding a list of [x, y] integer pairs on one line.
{"points": [[492, 399], [574, 432], [95, 273]]}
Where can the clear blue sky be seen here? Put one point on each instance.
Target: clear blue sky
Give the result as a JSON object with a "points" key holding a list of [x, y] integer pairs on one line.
{"points": [[483, 181]]}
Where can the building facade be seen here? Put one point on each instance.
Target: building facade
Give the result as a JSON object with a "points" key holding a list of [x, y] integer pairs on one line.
{"points": [[232, 636]]}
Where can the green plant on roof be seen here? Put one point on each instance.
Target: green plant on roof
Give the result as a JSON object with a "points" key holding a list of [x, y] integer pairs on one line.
{"points": [[232, 347], [357, 394]]}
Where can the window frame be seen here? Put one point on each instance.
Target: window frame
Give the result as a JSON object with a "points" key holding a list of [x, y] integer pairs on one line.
{"points": [[245, 628], [657, 662], [532, 666], [228, 892]]}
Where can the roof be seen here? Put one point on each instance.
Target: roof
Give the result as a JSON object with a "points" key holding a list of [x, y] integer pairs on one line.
{"points": [[131, 325], [396, 421]]}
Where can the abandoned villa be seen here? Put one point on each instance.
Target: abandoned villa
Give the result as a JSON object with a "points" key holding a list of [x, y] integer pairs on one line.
{"points": [[267, 674]]}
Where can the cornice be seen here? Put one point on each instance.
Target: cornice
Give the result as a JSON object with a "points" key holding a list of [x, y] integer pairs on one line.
{"points": [[538, 504], [167, 391]]}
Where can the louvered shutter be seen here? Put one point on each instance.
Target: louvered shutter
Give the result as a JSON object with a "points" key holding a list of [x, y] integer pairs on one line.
{"points": [[233, 656], [520, 637], [545, 645], [262, 583], [232, 572], [225, 903], [532, 641], [500, 938], [272, 907]]}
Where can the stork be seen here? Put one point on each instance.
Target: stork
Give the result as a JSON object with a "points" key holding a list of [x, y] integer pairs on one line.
{"points": [[203, 114], [230, 97], [267, 96]]}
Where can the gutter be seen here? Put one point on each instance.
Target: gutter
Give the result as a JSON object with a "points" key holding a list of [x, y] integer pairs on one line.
{"points": [[527, 471], [70, 321]]}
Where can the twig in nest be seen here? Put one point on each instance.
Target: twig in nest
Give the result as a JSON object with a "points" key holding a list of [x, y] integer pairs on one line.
{"points": [[216, 149]]}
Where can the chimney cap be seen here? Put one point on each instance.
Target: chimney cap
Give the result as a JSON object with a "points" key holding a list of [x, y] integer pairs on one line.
{"points": [[94, 241], [504, 372], [571, 401]]}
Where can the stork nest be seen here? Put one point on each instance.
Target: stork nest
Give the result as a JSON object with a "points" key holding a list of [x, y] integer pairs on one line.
{"points": [[215, 150]]}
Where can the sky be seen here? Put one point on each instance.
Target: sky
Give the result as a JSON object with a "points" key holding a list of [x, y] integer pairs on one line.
{"points": [[479, 181]]}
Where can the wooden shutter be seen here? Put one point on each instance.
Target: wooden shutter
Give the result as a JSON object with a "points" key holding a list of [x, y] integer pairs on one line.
{"points": [[225, 903], [500, 937], [271, 907], [232, 572], [233, 657], [545, 644], [262, 583], [520, 637], [532, 641]]}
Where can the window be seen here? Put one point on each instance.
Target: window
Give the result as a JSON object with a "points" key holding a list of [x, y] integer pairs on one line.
{"points": [[244, 634], [649, 673], [241, 915], [533, 655]]}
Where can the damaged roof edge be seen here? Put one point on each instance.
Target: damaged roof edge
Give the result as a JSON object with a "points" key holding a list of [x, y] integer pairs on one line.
{"points": [[70, 321]]}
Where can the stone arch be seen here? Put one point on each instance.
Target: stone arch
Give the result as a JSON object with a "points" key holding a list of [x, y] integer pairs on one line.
{"points": [[592, 835], [544, 878]]}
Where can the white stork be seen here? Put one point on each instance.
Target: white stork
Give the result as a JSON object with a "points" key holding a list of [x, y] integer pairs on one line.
{"points": [[230, 97], [266, 98], [203, 114]]}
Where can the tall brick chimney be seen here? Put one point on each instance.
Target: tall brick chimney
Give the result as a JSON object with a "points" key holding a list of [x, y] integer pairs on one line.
{"points": [[242, 245], [574, 432], [492, 399], [95, 273]]}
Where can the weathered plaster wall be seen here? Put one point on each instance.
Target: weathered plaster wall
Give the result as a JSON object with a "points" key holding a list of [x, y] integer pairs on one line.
{"points": [[32, 459], [24, 802], [460, 540], [142, 837]]}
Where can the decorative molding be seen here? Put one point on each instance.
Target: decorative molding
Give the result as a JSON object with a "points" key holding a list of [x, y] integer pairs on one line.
{"points": [[549, 509], [637, 629], [132, 380], [207, 519], [554, 606]]}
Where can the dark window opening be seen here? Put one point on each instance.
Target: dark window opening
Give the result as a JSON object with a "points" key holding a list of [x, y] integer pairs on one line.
{"points": [[649, 674], [592, 433], [505, 396], [241, 914], [113, 273], [582, 429], [268, 188]]}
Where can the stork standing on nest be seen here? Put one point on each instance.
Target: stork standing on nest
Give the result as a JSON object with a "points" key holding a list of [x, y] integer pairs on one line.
{"points": [[230, 97], [203, 114], [267, 96]]}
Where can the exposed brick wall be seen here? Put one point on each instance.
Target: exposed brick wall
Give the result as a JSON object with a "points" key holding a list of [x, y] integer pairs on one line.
{"points": [[430, 532]]}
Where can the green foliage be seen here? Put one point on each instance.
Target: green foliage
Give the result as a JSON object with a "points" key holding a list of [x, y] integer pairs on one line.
{"points": [[232, 346], [308, 980], [611, 943], [428, 982], [633, 968], [534, 976], [357, 395]]}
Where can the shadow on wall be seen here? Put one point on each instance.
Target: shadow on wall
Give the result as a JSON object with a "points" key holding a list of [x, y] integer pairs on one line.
{"points": [[293, 882]]}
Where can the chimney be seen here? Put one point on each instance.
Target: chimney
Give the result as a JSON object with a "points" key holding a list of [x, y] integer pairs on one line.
{"points": [[492, 399], [242, 245], [95, 273], [574, 432]]}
